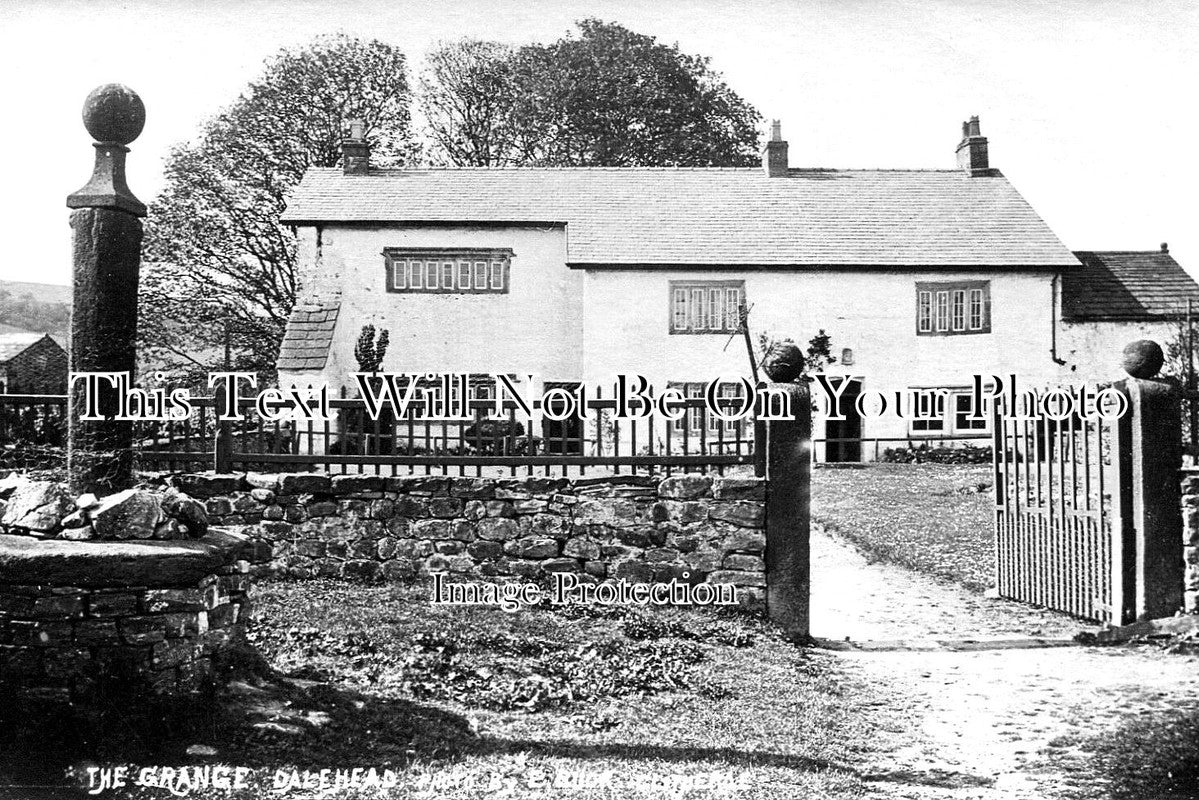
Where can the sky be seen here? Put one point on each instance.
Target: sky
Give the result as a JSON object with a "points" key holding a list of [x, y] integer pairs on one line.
{"points": [[1090, 107]]}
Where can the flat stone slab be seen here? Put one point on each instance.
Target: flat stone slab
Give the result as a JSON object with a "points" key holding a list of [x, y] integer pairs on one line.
{"points": [[27, 561], [942, 645]]}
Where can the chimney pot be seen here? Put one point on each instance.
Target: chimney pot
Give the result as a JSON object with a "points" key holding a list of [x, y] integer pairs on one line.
{"points": [[355, 150], [774, 155], [972, 151]]}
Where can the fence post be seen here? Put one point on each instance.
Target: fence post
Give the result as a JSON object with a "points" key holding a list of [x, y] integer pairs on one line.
{"points": [[788, 493], [222, 453], [1154, 458]]}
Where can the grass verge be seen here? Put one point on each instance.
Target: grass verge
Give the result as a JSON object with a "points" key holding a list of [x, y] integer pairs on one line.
{"points": [[469, 701], [931, 518]]}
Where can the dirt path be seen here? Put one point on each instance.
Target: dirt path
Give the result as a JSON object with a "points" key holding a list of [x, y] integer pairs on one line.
{"points": [[985, 723]]}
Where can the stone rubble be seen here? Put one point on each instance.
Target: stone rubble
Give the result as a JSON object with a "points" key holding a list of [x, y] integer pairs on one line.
{"points": [[46, 509]]}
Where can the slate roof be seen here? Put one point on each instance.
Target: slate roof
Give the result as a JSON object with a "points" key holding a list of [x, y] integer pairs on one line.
{"points": [[711, 216], [308, 336], [13, 344], [1127, 285]]}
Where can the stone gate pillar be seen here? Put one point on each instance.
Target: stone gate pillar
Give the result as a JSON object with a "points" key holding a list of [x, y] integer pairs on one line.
{"points": [[106, 248], [1148, 551], [788, 464]]}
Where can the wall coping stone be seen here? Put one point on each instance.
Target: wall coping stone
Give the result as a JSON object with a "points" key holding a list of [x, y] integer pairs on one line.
{"points": [[27, 561]]}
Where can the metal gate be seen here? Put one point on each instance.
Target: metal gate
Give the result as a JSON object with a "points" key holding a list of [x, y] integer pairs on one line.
{"points": [[1058, 522]]}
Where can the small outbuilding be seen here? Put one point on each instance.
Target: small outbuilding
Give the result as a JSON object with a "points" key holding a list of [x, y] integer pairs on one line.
{"points": [[32, 363]]}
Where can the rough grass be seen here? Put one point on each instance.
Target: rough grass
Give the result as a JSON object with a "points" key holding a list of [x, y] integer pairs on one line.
{"points": [[625, 702], [932, 518], [1155, 757]]}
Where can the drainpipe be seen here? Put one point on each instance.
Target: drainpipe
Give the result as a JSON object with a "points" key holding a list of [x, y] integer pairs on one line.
{"points": [[1053, 307]]}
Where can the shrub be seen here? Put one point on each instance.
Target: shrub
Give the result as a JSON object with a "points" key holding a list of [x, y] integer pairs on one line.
{"points": [[923, 454]]}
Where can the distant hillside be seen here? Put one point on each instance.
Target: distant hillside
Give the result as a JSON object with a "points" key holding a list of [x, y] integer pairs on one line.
{"points": [[42, 292], [37, 307]]}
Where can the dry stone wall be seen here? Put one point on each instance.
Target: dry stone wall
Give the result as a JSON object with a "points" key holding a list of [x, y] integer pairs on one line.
{"points": [[86, 626], [1190, 540], [692, 528]]}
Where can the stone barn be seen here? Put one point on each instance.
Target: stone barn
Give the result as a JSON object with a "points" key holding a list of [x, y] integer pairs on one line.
{"points": [[32, 363]]}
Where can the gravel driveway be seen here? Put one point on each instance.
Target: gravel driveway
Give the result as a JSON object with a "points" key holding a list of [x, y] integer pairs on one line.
{"points": [[989, 704]]}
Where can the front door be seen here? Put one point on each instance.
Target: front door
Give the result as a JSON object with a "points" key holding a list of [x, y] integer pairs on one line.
{"points": [[843, 438]]}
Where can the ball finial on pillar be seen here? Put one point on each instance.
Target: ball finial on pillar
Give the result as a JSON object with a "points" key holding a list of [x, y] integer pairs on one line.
{"points": [[1143, 358], [113, 113], [783, 362]]}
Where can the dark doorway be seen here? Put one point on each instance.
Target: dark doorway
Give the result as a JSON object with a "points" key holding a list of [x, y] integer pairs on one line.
{"points": [[562, 437], [843, 438]]}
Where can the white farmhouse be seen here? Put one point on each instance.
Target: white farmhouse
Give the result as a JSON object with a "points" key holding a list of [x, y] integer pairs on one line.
{"points": [[920, 277]]}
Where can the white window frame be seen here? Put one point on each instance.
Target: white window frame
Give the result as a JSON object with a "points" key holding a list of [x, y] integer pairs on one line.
{"points": [[924, 312], [953, 308], [448, 270], [678, 308], [705, 307], [957, 309], [942, 315], [976, 293]]}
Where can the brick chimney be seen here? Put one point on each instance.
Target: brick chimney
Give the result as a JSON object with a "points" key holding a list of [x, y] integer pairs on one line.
{"points": [[355, 151], [972, 152], [774, 155]]}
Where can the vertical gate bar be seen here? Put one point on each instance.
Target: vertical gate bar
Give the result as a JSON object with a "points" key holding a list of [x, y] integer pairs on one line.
{"points": [[1029, 510], [1022, 477], [997, 482], [633, 443], [513, 438], [1045, 561], [1053, 571], [1078, 529], [1034, 540], [1063, 536], [1057, 572], [1084, 523], [1013, 502], [1005, 578], [1063, 577], [1053, 576], [1101, 585], [1042, 539], [1058, 521], [1068, 528], [1079, 521]]}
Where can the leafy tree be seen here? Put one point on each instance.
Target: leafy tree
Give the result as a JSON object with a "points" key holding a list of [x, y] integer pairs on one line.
{"points": [[608, 97], [467, 96], [219, 268], [819, 352]]}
